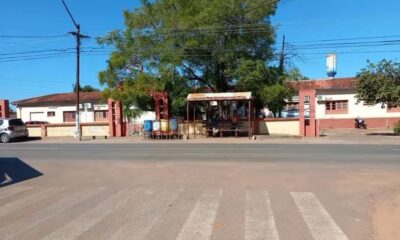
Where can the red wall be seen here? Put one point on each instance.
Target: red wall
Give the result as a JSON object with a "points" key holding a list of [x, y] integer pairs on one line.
{"points": [[4, 109], [349, 123]]}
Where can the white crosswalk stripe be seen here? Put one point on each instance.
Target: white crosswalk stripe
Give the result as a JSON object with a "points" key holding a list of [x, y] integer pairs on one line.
{"points": [[28, 200], [79, 225], [13, 191], [148, 215], [317, 218], [45, 214], [140, 217], [259, 218], [199, 225]]}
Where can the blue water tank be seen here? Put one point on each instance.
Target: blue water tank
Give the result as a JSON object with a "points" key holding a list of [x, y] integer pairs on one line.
{"points": [[148, 125], [173, 124]]}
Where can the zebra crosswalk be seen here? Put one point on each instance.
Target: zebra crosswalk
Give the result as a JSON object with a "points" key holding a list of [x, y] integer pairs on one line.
{"points": [[145, 210]]}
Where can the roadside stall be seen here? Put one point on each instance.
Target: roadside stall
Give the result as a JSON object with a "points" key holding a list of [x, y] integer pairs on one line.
{"points": [[222, 114]]}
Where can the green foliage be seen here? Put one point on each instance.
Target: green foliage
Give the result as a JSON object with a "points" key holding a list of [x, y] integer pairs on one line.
{"points": [[274, 97], [295, 74], [396, 129], [253, 75], [184, 45], [379, 83], [86, 88]]}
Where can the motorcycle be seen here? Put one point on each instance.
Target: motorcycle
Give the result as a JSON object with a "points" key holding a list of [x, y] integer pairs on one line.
{"points": [[360, 123]]}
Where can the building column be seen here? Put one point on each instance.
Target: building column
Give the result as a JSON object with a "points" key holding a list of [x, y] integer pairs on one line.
{"points": [[111, 117], [119, 119], [307, 101], [4, 109]]}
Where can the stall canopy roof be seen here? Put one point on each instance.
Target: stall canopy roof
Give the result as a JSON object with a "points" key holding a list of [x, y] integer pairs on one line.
{"points": [[219, 96]]}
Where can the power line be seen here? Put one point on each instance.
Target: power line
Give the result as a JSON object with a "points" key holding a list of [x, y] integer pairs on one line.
{"points": [[38, 51], [33, 36], [346, 39]]}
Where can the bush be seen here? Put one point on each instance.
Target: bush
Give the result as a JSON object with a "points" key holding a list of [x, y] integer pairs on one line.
{"points": [[397, 128]]}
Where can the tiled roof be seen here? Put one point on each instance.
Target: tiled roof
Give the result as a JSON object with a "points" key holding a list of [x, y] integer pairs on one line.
{"points": [[60, 98], [336, 83]]}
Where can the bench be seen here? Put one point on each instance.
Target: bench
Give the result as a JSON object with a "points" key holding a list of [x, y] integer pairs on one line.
{"points": [[226, 127]]}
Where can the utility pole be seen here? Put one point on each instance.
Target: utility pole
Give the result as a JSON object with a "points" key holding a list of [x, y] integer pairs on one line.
{"points": [[78, 36], [282, 57]]}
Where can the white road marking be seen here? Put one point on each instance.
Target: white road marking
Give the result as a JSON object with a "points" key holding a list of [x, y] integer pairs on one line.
{"points": [[199, 225], [28, 200], [82, 223], [317, 218], [12, 191], [259, 218], [45, 214], [147, 216]]}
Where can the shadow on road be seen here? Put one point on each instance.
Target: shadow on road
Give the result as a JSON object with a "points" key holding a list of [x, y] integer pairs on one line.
{"points": [[382, 134], [14, 170], [29, 139]]}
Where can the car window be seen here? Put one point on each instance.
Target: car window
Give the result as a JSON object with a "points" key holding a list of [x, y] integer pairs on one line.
{"points": [[16, 122], [1, 122]]}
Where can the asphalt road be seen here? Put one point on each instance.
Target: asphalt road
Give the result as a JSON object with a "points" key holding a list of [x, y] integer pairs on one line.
{"points": [[384, 155], [199, 191]]}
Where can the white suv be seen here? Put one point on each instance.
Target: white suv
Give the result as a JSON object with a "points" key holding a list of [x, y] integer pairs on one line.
{"points": [[11, 128]]}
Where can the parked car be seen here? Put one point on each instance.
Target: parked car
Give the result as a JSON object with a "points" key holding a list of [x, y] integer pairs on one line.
{"points": [[12, 128], [36, 122], [290, 113]]}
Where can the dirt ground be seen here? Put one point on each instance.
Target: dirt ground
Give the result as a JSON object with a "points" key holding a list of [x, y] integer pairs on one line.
{"points": [[386, 217]]}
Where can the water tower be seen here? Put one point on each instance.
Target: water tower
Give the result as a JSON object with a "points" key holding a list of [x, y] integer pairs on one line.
{"points": [[331, 65]]}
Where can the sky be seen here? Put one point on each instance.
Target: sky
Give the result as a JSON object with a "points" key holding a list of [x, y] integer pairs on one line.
{"points": [[313, 28]]}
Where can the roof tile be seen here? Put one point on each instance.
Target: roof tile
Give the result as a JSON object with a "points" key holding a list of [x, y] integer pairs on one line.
{"points": [[60, 98]]}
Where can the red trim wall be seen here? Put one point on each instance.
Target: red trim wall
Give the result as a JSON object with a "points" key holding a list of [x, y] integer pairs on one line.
{"points": [[349, 123], [4, 109]]}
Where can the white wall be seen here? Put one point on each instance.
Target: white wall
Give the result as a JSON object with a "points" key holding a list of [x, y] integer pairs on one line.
{"points": [[145, 116], [25, 113], [87, 116], [354, 109]]}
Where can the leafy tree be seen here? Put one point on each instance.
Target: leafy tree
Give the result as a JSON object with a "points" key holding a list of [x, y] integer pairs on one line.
{"points": [[295, 74], [379, 83], [182, 45], [274, 97], [85, 88], [253, 75]]}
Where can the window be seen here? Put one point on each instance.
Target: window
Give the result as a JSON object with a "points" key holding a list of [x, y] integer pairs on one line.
{"points": [[336, 107], [101, 116], [292, 106], [51, 114], [69, 116], [393, 108], [15, 122]]}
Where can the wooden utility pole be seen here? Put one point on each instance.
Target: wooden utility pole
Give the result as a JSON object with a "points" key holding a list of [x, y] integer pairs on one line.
{"points": [[78, 36], [282, 57]]}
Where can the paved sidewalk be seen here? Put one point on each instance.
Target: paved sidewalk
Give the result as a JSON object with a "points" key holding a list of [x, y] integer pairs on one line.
{"points": [[384, 138]]}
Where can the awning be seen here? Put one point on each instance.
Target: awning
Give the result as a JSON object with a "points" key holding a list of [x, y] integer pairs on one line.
{"points": [[228, 96]]}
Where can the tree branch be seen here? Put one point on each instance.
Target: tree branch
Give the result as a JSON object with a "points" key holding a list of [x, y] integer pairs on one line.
{"points": [[194, 76]]}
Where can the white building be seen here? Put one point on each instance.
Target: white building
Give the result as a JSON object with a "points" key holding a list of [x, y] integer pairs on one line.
{"points": [[336, 105], [60, 108]]}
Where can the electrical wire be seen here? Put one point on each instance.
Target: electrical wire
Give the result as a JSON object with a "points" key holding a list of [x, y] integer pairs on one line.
{"points": [[33, 36]]}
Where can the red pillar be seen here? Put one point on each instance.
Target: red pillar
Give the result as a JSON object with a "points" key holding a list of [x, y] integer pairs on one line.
{"points": [[115, 118], [308, 125], [4, 109], [119, 119], [111, 118]]}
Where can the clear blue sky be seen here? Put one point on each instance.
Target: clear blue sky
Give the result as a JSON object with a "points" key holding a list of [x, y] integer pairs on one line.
{"points": [[299, 20]]}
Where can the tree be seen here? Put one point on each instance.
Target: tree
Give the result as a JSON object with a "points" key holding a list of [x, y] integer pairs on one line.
{"points": [[379, 83], [274, 97], [86, 88], [184, 45], [295, 74]]}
